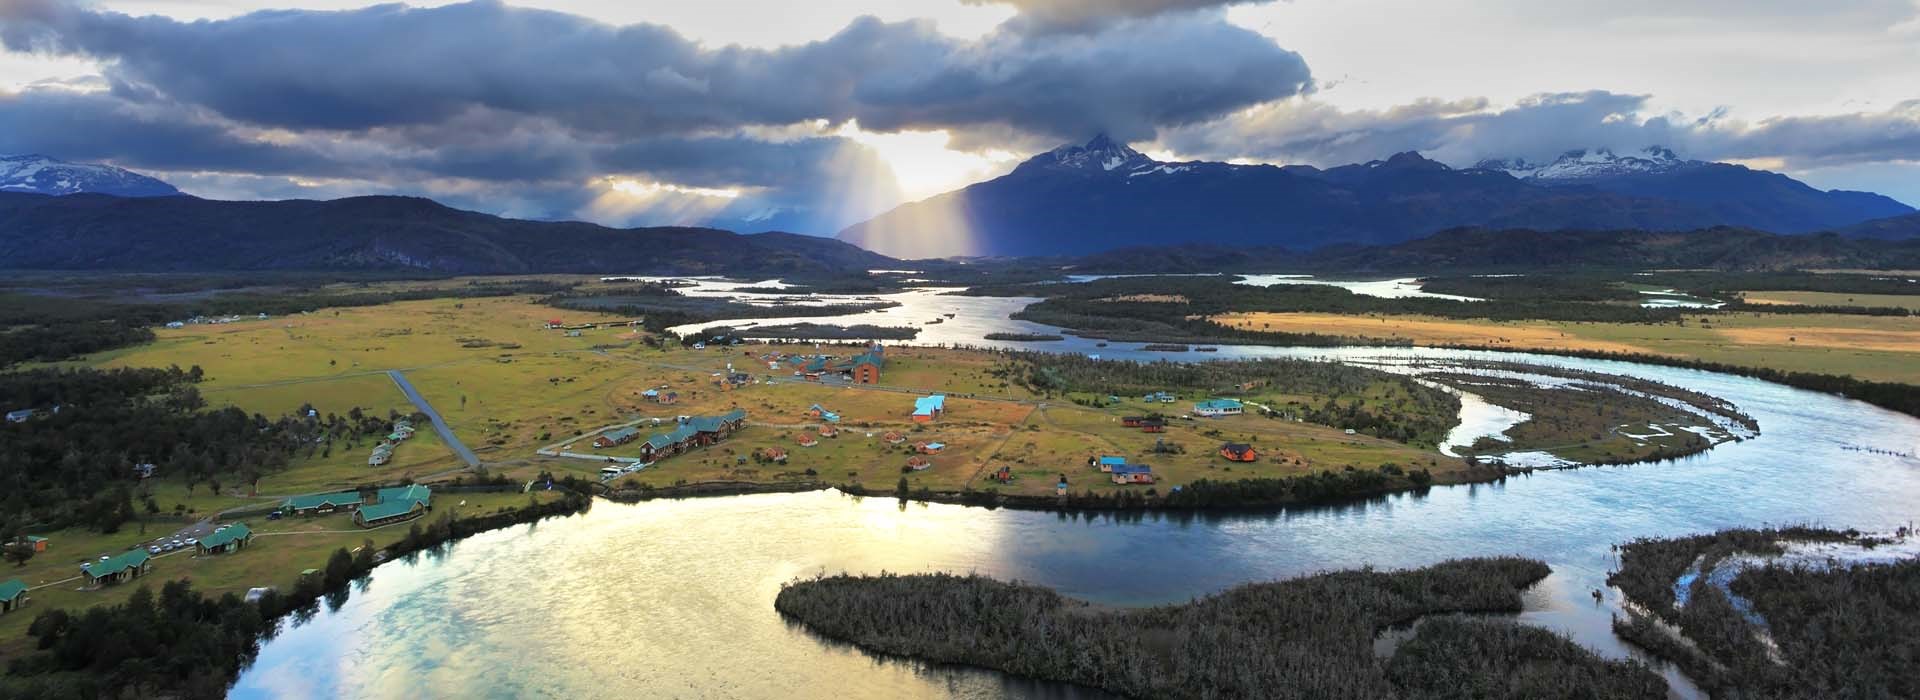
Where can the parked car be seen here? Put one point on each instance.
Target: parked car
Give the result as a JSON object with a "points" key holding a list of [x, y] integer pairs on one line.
{"points": [[274, 515], [153, 550]]}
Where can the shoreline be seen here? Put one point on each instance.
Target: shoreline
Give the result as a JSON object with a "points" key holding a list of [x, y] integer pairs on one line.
{"points": [[1126, 501]]}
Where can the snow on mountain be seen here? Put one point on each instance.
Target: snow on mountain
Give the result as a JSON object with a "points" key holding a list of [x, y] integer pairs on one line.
{"points": [[1102, 153], [1585, 164], [42, 175]]}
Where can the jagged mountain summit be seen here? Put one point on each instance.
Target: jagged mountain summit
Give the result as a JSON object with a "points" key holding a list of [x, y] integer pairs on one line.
{"points": [[1588, 164], [38, 174], [1103, 195]]}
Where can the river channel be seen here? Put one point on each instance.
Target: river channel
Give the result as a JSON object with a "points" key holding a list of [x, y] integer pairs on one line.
{"points": [[675, 598]]}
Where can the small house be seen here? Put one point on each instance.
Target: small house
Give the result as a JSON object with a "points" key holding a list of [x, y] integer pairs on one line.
{"points": [[807, 440], [127, 565], [651, 395], [669, 398], [38, 543], [1132, 474], [820, 412], [1060, 487], [1239, 452], [614, 438], [893, 438], [382, 454], [1214, 408], [226, 539], [1003, 475], [930, 447], [1106, 463], [918, 463], [22, 415], [1153, 425], [827, 431], [774, 454], [1133, 421], [13, 595], [927, 409], [554, 323], [1158, 397]]}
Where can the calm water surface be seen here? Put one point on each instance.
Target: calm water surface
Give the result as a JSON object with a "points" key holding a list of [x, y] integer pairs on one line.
{"points": [[675, 599]]}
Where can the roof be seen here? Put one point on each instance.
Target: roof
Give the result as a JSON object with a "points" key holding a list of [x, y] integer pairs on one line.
{"points": [[869, 358], [1218, 403], [936, 445], [36, 538], [1125, 469], [711, 424], [11, 588], [316, 500], [226, 535], [927, 405], [621, 434], [674, 437], [1111, 460], [397, 501], [125, 560], [1236, 447]]}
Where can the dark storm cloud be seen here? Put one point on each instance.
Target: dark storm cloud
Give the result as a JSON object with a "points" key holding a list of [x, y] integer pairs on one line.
{"points": [[100, 126], [1081, 15], [392, 65], [1468, 130]]}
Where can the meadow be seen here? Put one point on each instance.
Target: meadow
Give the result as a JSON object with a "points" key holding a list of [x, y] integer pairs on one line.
{"points": [[1882, 348]]}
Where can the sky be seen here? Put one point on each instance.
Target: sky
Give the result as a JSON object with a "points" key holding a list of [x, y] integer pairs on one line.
{"points": [[774, 115]]}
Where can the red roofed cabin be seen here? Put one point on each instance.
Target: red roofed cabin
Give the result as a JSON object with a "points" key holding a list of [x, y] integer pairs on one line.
{"points": [[1239, 452]]}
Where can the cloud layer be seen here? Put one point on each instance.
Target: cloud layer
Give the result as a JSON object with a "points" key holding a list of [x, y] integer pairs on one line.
{"points": [[1540, 127], [483, 94]]}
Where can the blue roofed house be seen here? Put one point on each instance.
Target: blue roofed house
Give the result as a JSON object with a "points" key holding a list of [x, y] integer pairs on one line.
{"points": [[926, 409], [1108, 462], [1218, 407], [1132, 474]]}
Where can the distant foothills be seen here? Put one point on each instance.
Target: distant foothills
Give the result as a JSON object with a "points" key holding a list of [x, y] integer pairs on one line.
{"points": [[1096, 207]]}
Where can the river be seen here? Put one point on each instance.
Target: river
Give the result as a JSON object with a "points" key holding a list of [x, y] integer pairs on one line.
{"points": [[675, 598]]}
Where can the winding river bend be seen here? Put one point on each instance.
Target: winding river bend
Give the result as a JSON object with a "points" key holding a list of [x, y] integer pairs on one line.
{"points": [[675, 599]]}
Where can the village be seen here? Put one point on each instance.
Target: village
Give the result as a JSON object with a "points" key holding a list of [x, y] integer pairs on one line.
{"points": [[598, 398]]}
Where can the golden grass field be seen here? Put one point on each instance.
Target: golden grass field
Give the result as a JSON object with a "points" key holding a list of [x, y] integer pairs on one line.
{"points": [[1897, 301], [1882, 348]]}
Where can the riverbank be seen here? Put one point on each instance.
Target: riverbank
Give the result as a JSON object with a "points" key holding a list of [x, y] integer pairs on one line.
{"points": [[1316, 633], [1796, 612], [76, 660]]}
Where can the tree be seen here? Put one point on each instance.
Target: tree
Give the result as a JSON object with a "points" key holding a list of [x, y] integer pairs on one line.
{"points": [[19, 551]]}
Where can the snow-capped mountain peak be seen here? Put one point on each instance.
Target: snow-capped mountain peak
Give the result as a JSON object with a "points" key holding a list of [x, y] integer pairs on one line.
{"points": [[1587, 164], [40, 174], [1101, 153]]}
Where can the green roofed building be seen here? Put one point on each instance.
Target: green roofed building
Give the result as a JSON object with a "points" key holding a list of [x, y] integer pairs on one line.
{"points": [[13, 594], [321, 503], [226, 539], [392, 505], [128, 565]]}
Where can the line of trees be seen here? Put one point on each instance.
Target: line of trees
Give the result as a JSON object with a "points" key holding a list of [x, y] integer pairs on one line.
{"points": [[75, 466], [1309, 637]]}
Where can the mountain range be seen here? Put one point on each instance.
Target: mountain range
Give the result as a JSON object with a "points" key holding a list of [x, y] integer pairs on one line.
{"points": [[182, 233], [38, 174], [1081, 199]]}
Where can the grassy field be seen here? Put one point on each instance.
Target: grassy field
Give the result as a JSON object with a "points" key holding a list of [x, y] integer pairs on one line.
{"points": [[1870, 347], [281, 549], [1895, 301]]}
